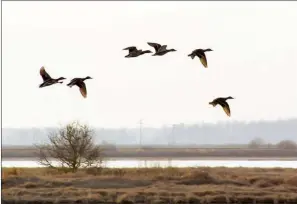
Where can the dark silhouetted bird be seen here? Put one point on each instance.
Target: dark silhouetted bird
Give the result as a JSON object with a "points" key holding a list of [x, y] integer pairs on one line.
{"points": [[47, 79], [222, 101], [160, 50], [134, 52], [81, 84], [201, 54]]}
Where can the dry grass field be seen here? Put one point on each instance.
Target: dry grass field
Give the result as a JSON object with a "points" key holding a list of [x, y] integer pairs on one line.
{"points": [[150, 185]]}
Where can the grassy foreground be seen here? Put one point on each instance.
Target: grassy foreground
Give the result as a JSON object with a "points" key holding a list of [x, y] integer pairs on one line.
{"points": [[151, 185]]}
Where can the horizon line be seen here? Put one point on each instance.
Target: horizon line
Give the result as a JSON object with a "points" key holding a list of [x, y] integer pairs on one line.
{"points": [[165, 124]]}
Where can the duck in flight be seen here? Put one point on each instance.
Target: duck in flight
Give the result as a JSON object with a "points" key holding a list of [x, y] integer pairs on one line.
{"points": [[222, 102], [134, 52], [81, 84], [47, 79], [201, 54], [160, 50]]}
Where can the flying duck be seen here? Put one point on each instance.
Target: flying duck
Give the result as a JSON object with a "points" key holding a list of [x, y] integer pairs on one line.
{"points": [[160, 50], [222, 101], [47, 79], [81, 84], [201, 54], [134, 52]]}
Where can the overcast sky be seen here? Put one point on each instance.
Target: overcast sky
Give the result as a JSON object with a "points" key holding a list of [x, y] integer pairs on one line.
{"points": [[254, 60]]}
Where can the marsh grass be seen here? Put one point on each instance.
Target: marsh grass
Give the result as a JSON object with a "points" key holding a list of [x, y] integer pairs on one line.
{"points": [[152, 185]]}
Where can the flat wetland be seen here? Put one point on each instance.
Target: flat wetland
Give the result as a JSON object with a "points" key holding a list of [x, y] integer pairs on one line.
{"points": [[176, 153], [150, 185]]}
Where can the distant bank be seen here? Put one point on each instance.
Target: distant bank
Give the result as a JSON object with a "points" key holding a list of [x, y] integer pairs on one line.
{"points": [[180, 153]]}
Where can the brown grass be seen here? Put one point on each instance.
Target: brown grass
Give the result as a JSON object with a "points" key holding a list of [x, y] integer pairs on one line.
{"points": [[151, 185]]}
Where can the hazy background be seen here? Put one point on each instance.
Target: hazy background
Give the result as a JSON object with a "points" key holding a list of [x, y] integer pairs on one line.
{"points": [[179, 134], [254, 60]]}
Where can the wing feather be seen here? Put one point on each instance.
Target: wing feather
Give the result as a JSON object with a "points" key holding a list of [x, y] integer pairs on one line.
{"points": [[162, 48], [203, 60], [82, 89], [226, 108], [156, 46], [131, 49], [45, 76]]}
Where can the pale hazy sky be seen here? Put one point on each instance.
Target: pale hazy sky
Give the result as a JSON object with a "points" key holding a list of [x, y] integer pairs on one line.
{"points": [[254, 60]]}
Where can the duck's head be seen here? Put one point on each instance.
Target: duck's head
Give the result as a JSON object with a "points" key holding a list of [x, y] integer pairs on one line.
{"points": [[229, 97], [172, 50], [61, 78], [207, 50], [146, 51], [88, 77]]}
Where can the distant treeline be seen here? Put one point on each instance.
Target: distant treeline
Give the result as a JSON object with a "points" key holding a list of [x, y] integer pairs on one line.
{"points": [[270, 132]]}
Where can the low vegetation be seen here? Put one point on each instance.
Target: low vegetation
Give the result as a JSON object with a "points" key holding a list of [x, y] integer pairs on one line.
{"points": [[80, 177], [72, 147], [258, 142], [150, 185]]}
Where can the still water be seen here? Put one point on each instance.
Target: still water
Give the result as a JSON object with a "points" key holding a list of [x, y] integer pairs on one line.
{"points": [[140, 163]]}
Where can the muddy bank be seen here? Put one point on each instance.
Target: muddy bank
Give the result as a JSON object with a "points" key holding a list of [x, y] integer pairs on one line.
{"points": [[171, 153]]}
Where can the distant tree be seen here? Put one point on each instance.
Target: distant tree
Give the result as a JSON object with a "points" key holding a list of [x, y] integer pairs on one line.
{"points": [[286, 144], [72, 146], [256, 143]]}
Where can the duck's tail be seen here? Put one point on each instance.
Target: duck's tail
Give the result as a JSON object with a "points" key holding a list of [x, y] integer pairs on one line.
{"points": [[212, 103]]}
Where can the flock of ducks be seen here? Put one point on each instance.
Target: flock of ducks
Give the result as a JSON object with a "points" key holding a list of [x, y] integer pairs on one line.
{"points": [[48, 81], [160, 50]]}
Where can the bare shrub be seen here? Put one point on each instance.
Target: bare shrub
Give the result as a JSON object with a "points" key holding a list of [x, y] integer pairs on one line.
{"points": [[72, 146], [287, 144], [256, 143]]}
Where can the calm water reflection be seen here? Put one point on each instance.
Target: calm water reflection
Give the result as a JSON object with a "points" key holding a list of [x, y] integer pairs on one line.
{"points": [[130, 163]]}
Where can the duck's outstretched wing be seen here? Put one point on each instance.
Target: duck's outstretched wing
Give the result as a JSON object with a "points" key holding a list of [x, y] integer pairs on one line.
{"points": [[82, 88], [72, 82], [226, 107], [156, 46], [203, 59], [162, 48], [131, 49], [45, 76]]}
